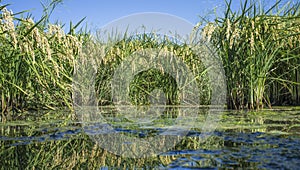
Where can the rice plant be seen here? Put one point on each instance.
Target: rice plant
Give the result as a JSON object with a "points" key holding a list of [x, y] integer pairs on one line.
{"points": [[36, 63], [260, 50], [152, 79]]}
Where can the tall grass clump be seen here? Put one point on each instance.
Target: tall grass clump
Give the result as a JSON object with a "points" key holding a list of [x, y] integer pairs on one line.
{"points": [[153, 79], [260, 53], [36, 62], [259, 49]]}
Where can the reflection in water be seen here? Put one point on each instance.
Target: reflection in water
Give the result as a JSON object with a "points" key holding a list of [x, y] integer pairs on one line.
{"points": [[257, 140]]}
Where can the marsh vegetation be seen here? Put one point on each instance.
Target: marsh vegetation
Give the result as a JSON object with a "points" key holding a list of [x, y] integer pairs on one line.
{"points": [[259, 49]]}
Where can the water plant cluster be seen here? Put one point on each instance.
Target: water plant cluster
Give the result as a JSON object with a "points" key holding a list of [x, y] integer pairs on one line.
{"points": [[36, 62], [259, 49], [146, 81]]}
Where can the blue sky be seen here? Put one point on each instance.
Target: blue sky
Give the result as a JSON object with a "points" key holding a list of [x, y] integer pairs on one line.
{"points": [[102, 12]]}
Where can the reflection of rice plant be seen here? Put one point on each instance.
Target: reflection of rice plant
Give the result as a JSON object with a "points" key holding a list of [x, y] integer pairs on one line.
{"points": [[260, 53]]}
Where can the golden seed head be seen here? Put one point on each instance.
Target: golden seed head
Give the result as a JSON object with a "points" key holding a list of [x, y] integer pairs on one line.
{"points": [[228, 29], [7, 24], [208, 31]]}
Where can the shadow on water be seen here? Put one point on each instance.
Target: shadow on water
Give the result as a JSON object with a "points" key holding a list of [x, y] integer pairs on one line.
{"points": [[264, 139]]}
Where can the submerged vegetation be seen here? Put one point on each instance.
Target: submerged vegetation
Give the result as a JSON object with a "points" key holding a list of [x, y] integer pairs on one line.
{"points": [[260, 52]]}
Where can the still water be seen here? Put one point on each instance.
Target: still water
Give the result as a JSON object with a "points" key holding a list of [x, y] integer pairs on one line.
{"points": [[267, 139]]}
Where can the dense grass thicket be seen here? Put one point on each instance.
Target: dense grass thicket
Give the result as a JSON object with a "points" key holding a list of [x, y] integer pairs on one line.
{"points": [[36, 62], [260, 51], [152, 79]]}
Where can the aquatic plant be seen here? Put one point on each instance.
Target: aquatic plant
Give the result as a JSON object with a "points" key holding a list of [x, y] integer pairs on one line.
{"points": [[259, 49], [260, 53], [36, 63], [152, 79]]}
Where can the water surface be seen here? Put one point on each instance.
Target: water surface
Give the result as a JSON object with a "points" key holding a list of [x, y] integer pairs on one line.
{"points": [[255, 140]]}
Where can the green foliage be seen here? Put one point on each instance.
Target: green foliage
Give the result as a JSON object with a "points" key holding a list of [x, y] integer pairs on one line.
{"points": [[36, 63], [259, 49], [151, 80], [260, 53]]}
